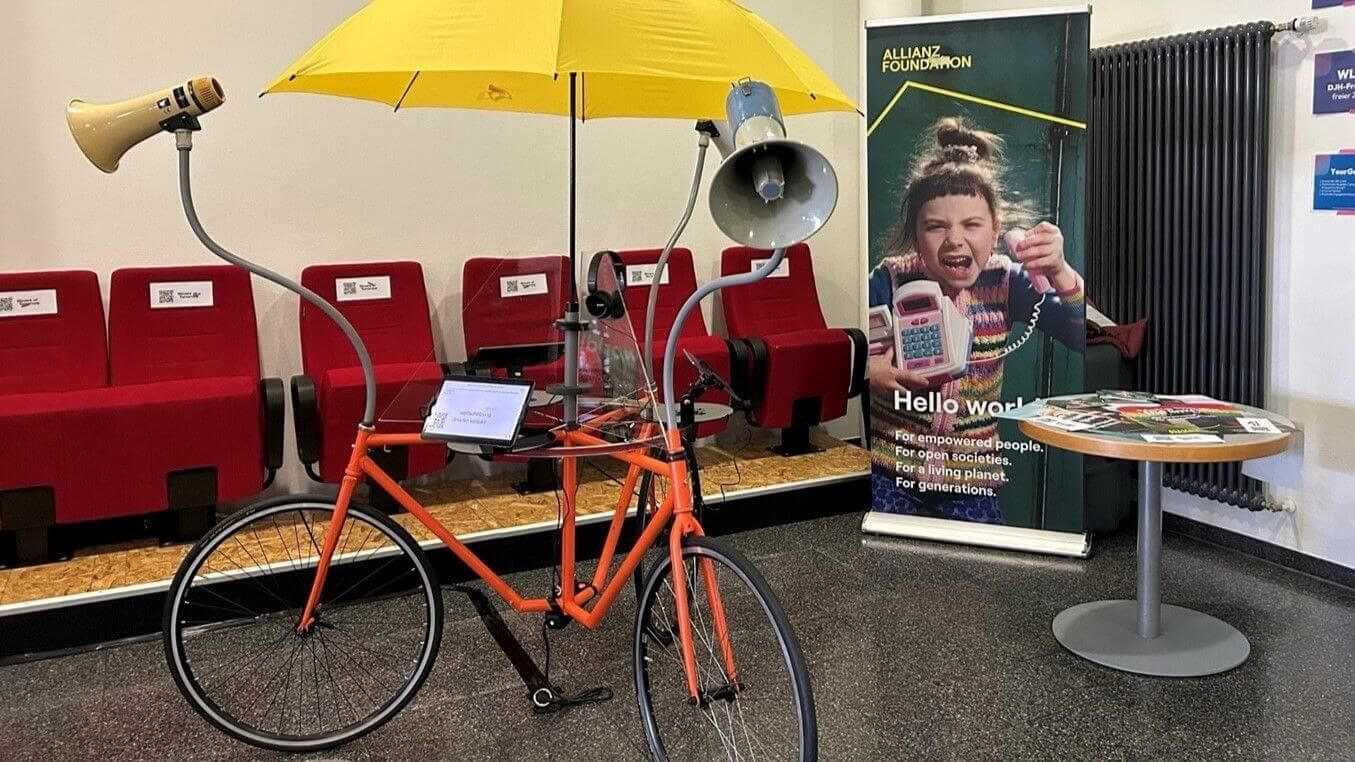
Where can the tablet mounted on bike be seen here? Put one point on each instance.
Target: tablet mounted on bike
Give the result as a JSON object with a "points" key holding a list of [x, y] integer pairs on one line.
{"points": [[478, 410]]}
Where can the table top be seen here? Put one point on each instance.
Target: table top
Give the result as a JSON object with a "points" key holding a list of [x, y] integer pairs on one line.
{"points": [[1234, 447]]}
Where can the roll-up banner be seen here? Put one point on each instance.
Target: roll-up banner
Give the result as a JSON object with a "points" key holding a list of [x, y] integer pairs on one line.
{"points": [[975, 198]]}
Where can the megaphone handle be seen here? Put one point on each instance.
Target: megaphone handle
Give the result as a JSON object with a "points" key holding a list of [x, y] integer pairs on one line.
{"points": [[667, 251], [693, 302], [184, 141]]}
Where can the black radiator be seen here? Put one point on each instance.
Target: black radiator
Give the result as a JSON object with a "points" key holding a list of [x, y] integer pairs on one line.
{"points": [[1178, 216]]}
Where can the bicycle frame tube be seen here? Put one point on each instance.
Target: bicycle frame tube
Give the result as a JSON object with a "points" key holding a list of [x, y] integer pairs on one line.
{"points": [[677, 505], [360, 466]]}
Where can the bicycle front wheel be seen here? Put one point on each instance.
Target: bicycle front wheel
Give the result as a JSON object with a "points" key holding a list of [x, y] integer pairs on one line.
{"points": [[231, 635], [754, 699]]}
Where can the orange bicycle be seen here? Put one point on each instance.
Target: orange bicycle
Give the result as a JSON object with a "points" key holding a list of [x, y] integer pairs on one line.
{"points": [[302, 623]]}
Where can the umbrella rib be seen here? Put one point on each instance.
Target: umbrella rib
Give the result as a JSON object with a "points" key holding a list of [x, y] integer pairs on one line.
{"points": [[408, 87], [784, 62]]}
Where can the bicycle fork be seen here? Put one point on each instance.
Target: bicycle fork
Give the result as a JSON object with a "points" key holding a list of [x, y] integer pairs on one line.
{"points": [[685, 525], [352, 474]]}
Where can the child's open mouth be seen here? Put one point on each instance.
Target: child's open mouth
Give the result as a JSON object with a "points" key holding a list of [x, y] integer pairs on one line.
{"points": [[957, 266]]}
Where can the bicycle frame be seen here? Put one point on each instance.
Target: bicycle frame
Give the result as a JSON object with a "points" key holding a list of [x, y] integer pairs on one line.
{"points": [[676, 506]]}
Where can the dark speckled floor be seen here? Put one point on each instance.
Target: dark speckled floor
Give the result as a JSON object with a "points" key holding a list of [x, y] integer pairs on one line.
{"points": [[916, 651]]}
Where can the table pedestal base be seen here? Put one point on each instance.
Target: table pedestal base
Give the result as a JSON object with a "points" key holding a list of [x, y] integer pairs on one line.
{"points": [[1191, 644]]}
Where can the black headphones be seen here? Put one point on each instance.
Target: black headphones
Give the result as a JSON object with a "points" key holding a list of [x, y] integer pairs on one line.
{"points": [[602, 302]]}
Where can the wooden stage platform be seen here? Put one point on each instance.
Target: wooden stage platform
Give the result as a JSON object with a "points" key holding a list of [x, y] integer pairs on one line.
{"points": [[737, 467]]}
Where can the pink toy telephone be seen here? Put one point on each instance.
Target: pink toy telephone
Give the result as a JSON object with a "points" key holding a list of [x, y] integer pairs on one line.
{"points": [[931, 336], [1014, 237]]}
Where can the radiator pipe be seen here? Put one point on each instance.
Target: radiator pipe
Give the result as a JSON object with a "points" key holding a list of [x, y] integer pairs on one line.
{"points": [[1299, 25]]}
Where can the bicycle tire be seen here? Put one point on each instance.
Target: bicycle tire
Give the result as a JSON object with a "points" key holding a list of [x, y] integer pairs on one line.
{"points": [[174, 629], [653, 658]]}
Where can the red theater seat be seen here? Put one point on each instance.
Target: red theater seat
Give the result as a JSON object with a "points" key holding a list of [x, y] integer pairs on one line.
{"points": [[680, 284], [52, 347], [388, 305], [185, 423], [797, 371], [188, 419], [509, 302]]}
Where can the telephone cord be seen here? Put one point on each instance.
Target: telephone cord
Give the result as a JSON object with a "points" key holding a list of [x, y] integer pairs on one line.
{"points": [[1030, 331]]}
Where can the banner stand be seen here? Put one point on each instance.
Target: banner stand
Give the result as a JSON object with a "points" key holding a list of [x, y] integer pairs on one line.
{"points": [[1068, 544], [1011, 91]]}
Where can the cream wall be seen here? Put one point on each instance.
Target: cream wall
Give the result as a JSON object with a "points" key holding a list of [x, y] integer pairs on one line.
{"points": [[292, 180], [1311, 359]]}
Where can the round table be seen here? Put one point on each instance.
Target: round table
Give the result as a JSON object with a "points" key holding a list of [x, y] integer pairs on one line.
{"points": [[1145, 636]]}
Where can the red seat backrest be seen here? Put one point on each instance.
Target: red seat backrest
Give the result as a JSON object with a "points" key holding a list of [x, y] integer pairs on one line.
{"points": [[385, 301], [491, 317], [681, 284], [178, 323], [45, 352], [777, 303]]}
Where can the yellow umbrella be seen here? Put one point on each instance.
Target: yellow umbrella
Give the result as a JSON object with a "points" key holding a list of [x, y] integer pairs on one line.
{"points": [[581, 58], [640, 58]]}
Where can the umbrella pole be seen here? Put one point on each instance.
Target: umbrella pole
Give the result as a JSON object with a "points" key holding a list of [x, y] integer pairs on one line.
{"points": [[570, 324], [573, 213]]}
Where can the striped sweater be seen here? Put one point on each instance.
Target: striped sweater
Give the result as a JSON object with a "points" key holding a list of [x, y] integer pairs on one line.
{"points": [[953, 442]]}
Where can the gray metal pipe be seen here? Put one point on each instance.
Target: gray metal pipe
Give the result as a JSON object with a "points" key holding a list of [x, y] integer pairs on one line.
{"points": [[1150, 549], [693, 302], [668, 250], [184, 141]]}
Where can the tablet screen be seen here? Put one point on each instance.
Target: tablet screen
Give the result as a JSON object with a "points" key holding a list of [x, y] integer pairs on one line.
{"points": [[478, 410]]}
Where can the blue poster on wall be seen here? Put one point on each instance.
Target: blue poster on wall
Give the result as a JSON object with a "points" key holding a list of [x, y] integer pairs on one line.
{"points": [[1334, 82], [1334, 188], [1332, 3]]}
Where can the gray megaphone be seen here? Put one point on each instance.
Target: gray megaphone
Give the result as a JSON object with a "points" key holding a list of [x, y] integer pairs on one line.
{"points": [[105, 131], [770, 191]]}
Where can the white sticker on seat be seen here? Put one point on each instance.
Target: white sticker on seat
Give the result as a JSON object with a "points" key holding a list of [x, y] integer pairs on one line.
{"points": [[362, 289], [782, 270], [180, 294], [522, 285], [24, 303], [643, 275]]}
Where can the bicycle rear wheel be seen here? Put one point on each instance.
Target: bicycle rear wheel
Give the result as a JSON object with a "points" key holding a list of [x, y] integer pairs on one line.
{"points": [[765, 708], [230, 625]]}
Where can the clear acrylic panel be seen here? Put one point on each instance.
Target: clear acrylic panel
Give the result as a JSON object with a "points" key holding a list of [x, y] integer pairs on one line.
{"points": [[510, 307]]}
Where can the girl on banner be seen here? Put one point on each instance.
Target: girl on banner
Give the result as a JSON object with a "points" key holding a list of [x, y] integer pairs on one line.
{"points": [[938, 454]]}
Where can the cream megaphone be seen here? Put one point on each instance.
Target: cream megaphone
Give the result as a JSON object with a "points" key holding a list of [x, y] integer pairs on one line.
{"points": [[105, 131], [769, 192]]}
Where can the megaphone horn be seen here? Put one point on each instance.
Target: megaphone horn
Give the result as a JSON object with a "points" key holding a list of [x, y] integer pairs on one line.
{"points": [[770, 191], [106, 131]]}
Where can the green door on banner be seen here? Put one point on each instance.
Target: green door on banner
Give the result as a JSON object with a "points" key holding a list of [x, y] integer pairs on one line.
{"points": [[1023, 78]]}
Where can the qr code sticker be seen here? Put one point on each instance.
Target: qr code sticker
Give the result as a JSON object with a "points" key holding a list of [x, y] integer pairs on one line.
{"points": [[512, 287], [164, 296], [350, 289], [7, 304]]}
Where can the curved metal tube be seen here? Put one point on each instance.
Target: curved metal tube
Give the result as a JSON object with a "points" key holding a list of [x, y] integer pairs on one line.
{"points": [[667, 250], [184, 140], [693, 302]]}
